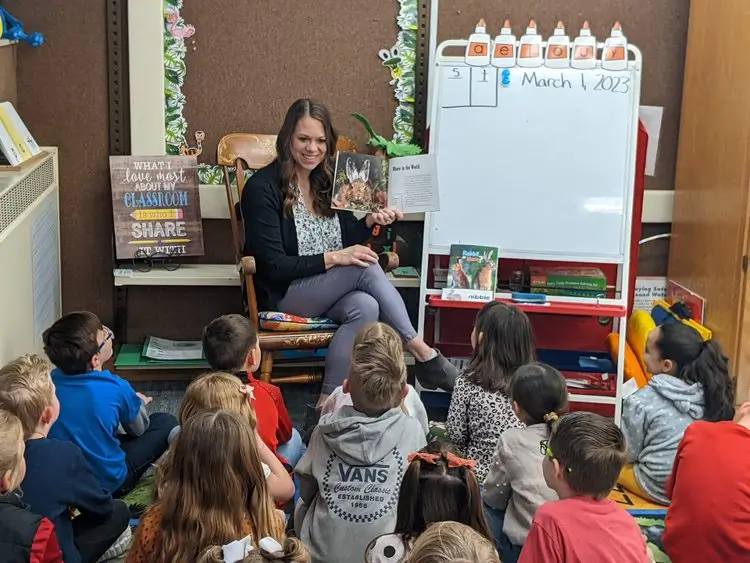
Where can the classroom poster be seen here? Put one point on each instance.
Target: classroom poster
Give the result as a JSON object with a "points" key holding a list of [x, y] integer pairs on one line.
{"points": [[156, 206]]}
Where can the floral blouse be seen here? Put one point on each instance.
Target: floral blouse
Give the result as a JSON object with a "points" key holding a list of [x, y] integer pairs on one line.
{"points": [[315, 235]]}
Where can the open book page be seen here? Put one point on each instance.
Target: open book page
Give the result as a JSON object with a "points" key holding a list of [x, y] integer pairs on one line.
{"points": [[412, 184], [360, 182]]}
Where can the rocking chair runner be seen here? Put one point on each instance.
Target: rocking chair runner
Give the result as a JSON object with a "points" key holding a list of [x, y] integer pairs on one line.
{"points": [[243, 152]]}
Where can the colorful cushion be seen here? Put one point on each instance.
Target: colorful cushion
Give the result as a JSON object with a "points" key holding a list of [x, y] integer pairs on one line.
{"points": [[633, 368], [640, 324], [284, 322]]}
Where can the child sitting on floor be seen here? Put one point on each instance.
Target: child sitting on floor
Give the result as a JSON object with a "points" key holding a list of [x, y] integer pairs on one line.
{"points": [[708, 518], [351, 473], [514, 488], [58, 477], [24, 537], [437, 486], [216, 493], [480, 409], [584, 456], [224, 391], [230, 344], [691, 382], [452, 542], [95, 404]]}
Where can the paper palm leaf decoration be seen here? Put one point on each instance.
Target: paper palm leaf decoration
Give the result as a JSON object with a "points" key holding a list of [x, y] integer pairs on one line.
{"points": [[390, 148]]}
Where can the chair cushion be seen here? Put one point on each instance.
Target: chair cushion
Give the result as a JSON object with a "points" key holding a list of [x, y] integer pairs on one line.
{"points": [[284, 322]]}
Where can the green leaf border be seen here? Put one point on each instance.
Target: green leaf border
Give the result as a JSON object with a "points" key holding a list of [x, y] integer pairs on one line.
{"points": [[175, 69]]}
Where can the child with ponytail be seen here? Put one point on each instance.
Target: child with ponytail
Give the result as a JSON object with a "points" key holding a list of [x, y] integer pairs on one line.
{"points": [[515, 486], [691, 382], [437, 486]]}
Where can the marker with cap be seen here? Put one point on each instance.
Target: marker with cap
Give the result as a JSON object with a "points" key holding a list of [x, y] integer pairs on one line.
{"points": [[478, 48], [504, 48], [557, 53], [530, 48], [615, 54], [584, 49]]}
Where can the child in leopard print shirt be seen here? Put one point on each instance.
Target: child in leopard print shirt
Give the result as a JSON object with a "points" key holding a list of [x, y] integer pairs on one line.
{"points": [[480, 409]]}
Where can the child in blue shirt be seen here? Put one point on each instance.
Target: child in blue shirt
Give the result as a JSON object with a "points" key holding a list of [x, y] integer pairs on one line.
{"points": [[96, 404]]}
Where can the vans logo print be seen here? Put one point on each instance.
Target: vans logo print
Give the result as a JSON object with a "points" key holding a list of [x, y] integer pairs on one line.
{"points": [[363, 494]]}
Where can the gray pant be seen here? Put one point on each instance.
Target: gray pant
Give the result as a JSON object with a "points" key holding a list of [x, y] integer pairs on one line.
{"points": [[351, 296]]}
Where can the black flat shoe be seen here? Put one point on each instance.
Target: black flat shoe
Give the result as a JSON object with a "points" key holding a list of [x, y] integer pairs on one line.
{"points": [[436, 373]]}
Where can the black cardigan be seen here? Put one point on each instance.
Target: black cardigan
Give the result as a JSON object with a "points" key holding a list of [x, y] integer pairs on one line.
{"points": [[271, 237]]}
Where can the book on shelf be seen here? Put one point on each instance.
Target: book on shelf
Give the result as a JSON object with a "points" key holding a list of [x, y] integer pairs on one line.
{"points": [[17, 145], [472, 273], [367, 183]]}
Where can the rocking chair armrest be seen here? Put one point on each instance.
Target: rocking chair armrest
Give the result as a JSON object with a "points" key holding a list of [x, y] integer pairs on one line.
{"points": [[248, 265]]}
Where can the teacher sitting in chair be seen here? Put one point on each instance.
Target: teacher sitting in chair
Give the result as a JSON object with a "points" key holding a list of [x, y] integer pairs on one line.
{"points": [[311, 260]]}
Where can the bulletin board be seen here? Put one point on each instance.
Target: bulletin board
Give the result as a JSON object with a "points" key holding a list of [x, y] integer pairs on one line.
{"points": [[221, 78]]}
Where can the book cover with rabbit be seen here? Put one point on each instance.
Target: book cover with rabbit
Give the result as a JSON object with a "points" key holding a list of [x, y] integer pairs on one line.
{"points": [[360, 182], [472, 273]]}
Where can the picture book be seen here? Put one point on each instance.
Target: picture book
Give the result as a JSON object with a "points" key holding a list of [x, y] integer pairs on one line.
{"points": [[360, 182], [367, 183], [16, 142], [472, 273]]}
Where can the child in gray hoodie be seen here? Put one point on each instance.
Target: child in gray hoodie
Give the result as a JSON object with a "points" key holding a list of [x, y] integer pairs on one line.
{"points": [[691, 382], [351, 474]]}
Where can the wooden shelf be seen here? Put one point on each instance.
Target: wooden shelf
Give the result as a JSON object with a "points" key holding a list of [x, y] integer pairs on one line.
{"points": [[208, 275], [550, 308]]}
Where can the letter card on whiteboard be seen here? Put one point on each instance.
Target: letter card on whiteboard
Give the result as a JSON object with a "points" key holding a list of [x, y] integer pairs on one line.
{"points": [[539, 162]]}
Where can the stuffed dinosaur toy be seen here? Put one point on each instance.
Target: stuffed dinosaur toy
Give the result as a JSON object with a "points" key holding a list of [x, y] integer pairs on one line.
{"points": [[390, 148], [12, 29]]}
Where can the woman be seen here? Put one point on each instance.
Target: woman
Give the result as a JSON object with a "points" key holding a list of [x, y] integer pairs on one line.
{"points": [[311, 259]]}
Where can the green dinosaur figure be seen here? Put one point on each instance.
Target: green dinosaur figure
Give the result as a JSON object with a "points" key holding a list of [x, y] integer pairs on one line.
{"points": [[390, 148]]}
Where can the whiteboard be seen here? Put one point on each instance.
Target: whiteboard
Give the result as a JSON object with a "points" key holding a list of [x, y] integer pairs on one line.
{"points": [[539, 162]]}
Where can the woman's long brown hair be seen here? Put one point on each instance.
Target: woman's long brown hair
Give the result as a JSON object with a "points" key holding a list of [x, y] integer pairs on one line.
{"points": [[216, 485], [321, 177]]}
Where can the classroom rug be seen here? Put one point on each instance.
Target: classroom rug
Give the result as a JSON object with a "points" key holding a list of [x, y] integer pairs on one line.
{"points": [[649, 516]]}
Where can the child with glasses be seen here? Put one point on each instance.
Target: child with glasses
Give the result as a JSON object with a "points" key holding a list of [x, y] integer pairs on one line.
{"points": [[95, 405], [584, 456]]}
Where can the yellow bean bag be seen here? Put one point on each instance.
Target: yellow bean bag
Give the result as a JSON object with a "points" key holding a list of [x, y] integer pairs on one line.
{"points": [[633, 368], [640, 324]]}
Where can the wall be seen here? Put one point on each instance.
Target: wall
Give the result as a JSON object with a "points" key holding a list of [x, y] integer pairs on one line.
{"points": [[62, 89]]}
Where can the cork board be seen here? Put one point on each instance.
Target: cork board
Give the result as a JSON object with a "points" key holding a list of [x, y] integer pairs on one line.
{"points": [[245, 69], [658, 29]]}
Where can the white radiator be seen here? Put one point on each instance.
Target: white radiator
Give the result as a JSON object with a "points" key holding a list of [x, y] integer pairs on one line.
{"points": [[30, 295]]}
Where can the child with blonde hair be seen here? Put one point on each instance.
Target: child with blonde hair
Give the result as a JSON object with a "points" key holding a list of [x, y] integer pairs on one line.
{"points": [[437, 486], [452, 542], [216, 493], [220, 390], [24, 537], [242, 551], [514, 488], [351, 474], [58, 477], [480, 409]]}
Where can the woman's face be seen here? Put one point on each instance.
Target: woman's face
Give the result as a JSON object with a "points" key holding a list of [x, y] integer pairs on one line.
{"points": [[308, 143]]}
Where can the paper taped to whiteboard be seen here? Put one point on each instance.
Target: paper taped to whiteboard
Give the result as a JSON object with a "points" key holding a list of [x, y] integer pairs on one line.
{"points": [[651, 118]]}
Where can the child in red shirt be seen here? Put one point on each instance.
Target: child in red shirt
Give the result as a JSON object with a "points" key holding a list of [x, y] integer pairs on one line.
{"points": [[709, 517], [582, 461], [230, 344]]}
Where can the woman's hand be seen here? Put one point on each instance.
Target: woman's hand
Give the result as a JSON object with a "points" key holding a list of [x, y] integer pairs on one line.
{"points": [[356, 255], [385, 216]]}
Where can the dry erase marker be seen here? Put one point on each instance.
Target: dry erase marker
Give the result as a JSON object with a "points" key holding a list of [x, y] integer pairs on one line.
{"points": [[530, 48], [615, 54], [584, 49], [557, 54], [504, 48], [478, 49], [532, 298]]}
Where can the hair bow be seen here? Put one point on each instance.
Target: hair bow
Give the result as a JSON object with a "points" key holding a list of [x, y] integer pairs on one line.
{"points": [[452, 460], [249, 391], [239, 549]]}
